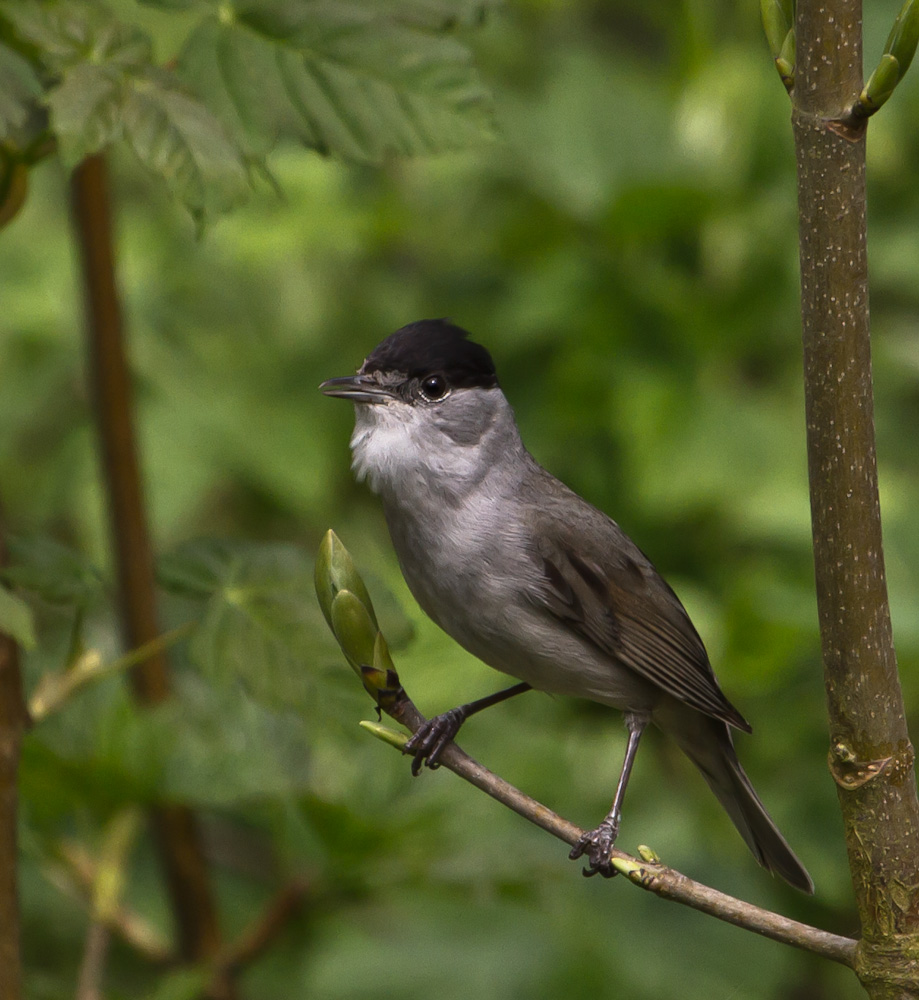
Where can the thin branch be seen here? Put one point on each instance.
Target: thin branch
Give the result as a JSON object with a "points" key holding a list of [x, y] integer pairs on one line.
{"points": [[175, 828], [79, 879], [92, 968], [55, 689], [648, 874]]}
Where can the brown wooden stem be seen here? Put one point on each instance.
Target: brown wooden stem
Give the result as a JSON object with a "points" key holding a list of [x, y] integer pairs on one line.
{"points": [[871, 758], [176, 831], [13, 723]]}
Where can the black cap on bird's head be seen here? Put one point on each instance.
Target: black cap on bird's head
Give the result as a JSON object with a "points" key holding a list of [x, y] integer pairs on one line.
{"points": [[434, 346], [432, 354]]}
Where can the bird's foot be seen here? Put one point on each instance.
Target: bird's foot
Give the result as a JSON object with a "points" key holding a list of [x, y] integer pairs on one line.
{"points": [[429, 742], [597, 845]]}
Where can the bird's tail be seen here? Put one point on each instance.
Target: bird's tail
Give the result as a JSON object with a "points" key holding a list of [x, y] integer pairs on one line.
{"points": [[708, 744]]}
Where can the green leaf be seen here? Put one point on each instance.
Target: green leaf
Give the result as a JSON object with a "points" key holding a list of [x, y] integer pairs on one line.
{"points": [[342, 78], [259, 622], [57, 574], [218, 746], [85, 111], [68, 34], [438, 15], [16, 619], [108, 89], [180, 141], [19, 90]]}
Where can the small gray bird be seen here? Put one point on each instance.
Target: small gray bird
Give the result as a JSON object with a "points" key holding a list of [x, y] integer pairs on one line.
{"points": [[532, 579]]}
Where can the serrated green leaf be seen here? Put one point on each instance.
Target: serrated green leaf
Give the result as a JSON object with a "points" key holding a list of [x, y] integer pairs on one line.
{"points": [[259, 624], [73, 33], [180, 141], [342, 78], [16, 619], [201, 567], [108, 89], [85, 111], [20, 90]]}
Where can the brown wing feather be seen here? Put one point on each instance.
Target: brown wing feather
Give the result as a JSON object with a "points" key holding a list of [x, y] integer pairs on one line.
{"points": [[627, 610]]}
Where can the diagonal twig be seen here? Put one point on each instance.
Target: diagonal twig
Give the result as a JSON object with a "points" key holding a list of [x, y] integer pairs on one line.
{"points": [[648, 874]]}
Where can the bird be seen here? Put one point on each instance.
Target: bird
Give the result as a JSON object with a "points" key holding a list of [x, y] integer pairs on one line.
{"points": [[531, 578]]}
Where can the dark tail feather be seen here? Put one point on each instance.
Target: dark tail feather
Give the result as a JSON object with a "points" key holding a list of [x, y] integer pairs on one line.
{"points": [[708, 744]]}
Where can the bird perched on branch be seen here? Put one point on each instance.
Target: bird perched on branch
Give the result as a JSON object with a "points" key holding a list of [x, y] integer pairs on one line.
{"points": [[532, 579]]}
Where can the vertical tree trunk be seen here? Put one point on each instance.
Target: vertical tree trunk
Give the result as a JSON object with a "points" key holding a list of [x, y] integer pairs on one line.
{"points": [[871, 758], [175, 828], [13, 721]]}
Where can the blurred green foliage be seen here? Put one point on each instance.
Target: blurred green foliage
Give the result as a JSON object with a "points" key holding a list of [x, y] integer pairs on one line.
{"points": [[628, 253]]}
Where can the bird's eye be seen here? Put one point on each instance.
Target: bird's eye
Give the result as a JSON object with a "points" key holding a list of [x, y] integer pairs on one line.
{"points": [[434, 387]]}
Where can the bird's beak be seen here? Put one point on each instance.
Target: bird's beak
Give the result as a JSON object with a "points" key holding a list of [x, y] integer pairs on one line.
{"points": [[360, 388]]}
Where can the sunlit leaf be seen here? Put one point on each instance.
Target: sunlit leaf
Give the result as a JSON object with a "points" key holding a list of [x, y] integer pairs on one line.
{"points": [[108, 89], [343, 78], [177, 138]]}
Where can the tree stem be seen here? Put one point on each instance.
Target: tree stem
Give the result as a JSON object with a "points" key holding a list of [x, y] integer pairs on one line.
{"points": [[174, 826], [871, 758], [13, 722]]}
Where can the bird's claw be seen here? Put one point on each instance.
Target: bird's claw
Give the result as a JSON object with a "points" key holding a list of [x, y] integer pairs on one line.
{"points": [[431, 739], [597, 845]]}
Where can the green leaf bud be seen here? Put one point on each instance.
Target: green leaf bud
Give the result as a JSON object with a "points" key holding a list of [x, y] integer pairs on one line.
{"points": [[904, 35], [387, 735], [880, 85], [776, 24], [335, 571], [354, 629]]}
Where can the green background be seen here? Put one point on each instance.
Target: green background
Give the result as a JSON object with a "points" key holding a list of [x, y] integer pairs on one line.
{"points": [[628, 254]]}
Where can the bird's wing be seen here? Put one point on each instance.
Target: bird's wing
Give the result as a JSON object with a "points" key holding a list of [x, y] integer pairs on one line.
{"points": [[617, 600]]}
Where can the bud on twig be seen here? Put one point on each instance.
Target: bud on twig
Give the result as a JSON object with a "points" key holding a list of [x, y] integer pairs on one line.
{"points": [[348, 609], [898, 54], [779, 24]]}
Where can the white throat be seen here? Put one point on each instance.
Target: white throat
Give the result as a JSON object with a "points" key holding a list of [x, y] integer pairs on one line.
{"points": [[399, 448]]}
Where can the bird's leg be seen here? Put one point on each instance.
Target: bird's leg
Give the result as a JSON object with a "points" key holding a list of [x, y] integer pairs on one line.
{"points": [[598, 843], [428, 743]]}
